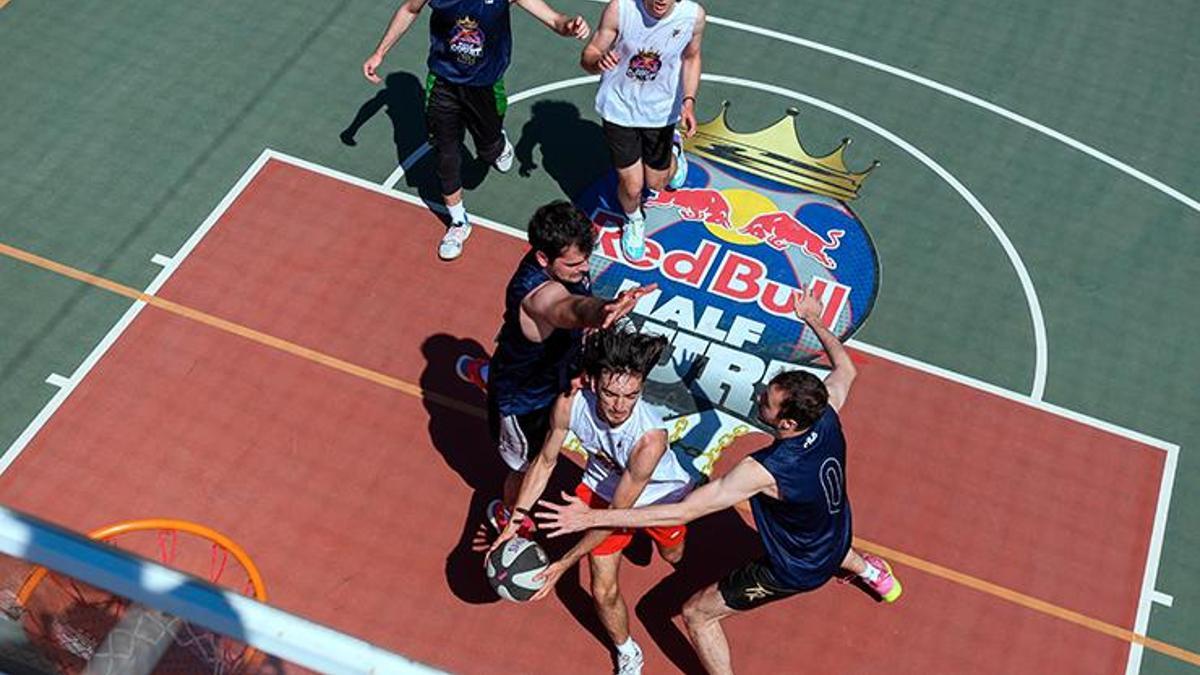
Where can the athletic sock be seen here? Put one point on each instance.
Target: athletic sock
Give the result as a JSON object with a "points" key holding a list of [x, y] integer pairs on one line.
{"points": [[871, 573], [458, 213], [629, 647], [636, 215]]}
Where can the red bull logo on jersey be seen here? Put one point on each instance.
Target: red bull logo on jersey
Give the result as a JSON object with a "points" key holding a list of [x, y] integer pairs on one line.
{"points": [[644, 65], [757, 218], [466, 41]]}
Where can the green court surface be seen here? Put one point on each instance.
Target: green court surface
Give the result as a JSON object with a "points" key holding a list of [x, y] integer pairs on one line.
{"points": [[1038, 169]]}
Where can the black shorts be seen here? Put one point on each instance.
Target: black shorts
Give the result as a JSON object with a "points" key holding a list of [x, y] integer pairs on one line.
{"points": [[629, 145], [519, 438], [754, 585], [451, 110]]}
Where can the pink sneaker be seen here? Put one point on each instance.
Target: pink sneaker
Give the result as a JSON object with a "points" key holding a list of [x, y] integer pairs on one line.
{"points": [[497, 515], [886, 585], [473, 370]]}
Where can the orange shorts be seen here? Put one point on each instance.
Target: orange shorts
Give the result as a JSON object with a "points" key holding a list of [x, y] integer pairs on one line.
{"points": [[667, 537]]}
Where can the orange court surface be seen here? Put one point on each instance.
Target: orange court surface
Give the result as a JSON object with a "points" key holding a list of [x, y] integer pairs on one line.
{"points": [[289, 380]]}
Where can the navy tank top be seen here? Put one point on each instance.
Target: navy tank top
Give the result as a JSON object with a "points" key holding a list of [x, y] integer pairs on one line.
{"points": [[806, 531], [470, 41], [525, 375]]}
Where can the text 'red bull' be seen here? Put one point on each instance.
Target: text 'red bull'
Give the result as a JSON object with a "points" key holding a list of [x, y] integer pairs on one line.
{"points": [[737, 277]]}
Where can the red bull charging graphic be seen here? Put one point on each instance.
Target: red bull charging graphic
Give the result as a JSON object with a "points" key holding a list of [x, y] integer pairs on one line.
{"points": [[728, 250]]}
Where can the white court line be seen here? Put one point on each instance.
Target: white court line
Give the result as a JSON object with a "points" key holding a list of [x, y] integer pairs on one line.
{"points": [[1041, 350], [1141, 622], [966, 98], [18, 446], [56, 380], [161, 260], [1164, 599]]}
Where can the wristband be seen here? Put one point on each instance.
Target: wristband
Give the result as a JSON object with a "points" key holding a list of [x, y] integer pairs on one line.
{"points": [[685, 99]]}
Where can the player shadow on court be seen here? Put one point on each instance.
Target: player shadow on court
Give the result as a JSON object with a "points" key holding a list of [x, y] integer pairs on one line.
{"points": [[461, 438], [402, 98], [572, 148]]}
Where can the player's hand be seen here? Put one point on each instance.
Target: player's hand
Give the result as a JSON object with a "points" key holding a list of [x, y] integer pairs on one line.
{"points": [[687, 118], [608, 61], [807, 306], [509, 531], [370, 66], [624, 303], [550, 576], [565, 518], [577, 28]]}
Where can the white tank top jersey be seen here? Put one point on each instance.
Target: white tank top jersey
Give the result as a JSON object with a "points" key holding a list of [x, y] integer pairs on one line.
{"points": [[644, 89], [608, 450]]}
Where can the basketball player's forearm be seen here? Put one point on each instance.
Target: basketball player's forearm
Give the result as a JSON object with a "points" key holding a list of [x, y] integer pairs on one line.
{"points": [[585, 312], [590, 60], [691, 77], [838, 355], [591, 539], [534, 484], [399, 25], [659, 515], [546, 14], [540, 470]]}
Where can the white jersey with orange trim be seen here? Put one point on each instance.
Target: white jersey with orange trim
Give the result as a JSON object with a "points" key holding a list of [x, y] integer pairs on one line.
{"points": [[644, 89], [608, 450]]}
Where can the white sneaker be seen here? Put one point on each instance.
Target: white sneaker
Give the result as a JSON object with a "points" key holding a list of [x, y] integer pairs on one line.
{"points": [[630, 664], [504, 162], [633, 238], [681, 163], [452, 242]]}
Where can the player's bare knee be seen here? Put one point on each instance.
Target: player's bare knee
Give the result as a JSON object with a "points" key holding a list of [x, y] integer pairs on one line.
{"points": [[632, 185], [672, 555], [693, 612], [605, 592], [657, 182]]}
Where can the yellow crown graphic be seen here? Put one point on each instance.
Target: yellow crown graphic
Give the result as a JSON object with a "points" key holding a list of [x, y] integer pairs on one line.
{"points": [[775, 153]]}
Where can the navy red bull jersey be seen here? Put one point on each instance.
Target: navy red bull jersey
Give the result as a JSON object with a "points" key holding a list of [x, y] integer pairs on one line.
{"points": [[807, 530], [526, 376], [470, 41]]}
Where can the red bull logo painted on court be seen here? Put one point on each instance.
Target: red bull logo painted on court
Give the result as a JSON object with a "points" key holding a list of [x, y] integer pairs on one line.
{"points": [[728, 250]]}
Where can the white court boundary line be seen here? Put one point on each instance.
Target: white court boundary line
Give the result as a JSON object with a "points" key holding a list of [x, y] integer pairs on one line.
{"points": [[964, 97], [1041, 349], [18, 446], [1148, 593]]}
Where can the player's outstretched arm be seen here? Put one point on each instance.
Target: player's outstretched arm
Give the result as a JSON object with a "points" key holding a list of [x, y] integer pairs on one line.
{"points": [[746, 479], [809, 308], [552, 307], [401, 20], [540, 469], [566, 26], [597, 55]]}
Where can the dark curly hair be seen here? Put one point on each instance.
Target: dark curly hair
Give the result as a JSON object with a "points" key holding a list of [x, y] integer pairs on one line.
{"points": [[559, 225], [805, 397], [621, 350]]}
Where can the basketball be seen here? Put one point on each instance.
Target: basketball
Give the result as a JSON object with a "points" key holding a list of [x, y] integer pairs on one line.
{"points": [[512, 567]]}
